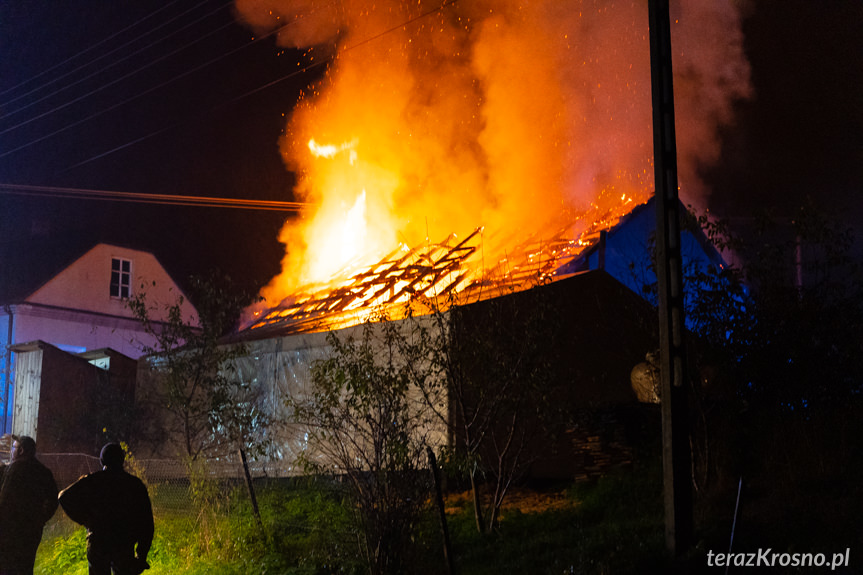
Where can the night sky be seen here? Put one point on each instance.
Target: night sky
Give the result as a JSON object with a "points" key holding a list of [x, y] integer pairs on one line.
{"points": [[200, 111], [802, 132], [182, 125]]}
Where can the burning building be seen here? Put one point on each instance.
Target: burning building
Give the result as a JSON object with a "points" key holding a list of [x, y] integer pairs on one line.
{"points": [[593, 284], [466, 151], [529, 121]]}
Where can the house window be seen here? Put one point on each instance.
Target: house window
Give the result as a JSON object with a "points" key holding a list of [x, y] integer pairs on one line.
{"points": [[121, 278]]}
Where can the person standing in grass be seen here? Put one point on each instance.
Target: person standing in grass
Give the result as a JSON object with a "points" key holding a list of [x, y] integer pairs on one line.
{"points": [[28, 499], [115, 508]]}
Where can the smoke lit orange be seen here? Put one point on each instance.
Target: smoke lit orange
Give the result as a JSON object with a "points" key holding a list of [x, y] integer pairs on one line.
{"points": [[523, 117]]}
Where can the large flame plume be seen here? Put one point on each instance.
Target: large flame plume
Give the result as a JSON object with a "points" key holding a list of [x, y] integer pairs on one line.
{"points": [[441, 116]]}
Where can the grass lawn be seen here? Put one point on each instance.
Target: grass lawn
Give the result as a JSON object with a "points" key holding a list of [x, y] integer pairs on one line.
{"points": [[613, 526]]}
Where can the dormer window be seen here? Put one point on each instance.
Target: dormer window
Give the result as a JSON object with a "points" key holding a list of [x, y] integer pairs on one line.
{"points": [[121, 278]]}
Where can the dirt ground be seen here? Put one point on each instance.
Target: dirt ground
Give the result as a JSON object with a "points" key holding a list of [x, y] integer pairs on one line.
{"points": [[523, 499]]}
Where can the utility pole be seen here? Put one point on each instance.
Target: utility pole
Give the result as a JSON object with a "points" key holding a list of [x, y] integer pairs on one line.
{"points": [[676, 457]]}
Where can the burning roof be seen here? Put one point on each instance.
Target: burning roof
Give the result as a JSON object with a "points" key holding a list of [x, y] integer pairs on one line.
{"points": [[431, 272], [529, 119]]}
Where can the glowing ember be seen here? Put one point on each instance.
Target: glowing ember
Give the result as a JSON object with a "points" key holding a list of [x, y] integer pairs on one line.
{"points": [[531, 119]]}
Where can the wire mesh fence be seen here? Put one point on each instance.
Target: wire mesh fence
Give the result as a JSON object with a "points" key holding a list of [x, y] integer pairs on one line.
{"points": [[172, 483]]}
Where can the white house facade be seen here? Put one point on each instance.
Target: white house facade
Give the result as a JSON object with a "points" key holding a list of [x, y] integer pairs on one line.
{"points": [[83, 307]]}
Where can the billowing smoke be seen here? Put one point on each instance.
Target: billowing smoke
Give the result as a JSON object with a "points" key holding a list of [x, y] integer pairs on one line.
{"points": [[508, 114]]}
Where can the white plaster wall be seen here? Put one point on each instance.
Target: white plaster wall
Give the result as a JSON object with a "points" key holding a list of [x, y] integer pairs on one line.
{"points": [[85, 285], [75, 331]]}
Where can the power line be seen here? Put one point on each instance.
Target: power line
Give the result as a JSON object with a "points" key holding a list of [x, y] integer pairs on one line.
{"points": [[445, 4], [84, 51], [109, 66], [143, 93], [115, 81], [114, 106], [189, 121], [293, 74], [110, 195]]}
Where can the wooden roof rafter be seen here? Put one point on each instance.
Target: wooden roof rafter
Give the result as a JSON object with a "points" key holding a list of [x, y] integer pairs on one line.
{"points": [[429, 270]]}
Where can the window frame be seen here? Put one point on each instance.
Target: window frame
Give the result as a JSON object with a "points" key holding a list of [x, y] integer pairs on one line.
{"points": [[122, 288]]}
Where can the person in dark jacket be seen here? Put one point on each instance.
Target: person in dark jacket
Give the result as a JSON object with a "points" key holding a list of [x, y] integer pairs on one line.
{"points": [[28, 499], [115, 508]]}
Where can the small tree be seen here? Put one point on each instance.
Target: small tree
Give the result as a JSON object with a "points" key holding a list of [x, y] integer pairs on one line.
{"points": [[778, 335], [195, 379], [367, 425], [490, 361], [195, 392]]}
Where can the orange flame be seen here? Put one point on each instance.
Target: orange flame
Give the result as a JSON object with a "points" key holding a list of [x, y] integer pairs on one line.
{"points": [[522, 117]]}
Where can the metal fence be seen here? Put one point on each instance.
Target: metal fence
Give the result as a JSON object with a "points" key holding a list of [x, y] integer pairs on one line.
{"points": [[68, 467], [169, 481]]}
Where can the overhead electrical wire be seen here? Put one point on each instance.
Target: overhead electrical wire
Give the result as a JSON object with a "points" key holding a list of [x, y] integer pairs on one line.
{"points": [[116, 80], [188, 121], [444, 4], [263, 87], [109, 66], [346, 49], [109, 108], [293, 74], [110, 195], [147, 91], [84, 51]]}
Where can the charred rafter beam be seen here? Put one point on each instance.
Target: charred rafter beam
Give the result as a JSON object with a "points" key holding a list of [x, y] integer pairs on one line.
{"points": [[373, 283]]}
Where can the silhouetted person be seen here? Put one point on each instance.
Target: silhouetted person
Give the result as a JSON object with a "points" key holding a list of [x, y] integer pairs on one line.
{"points": [[115, 508], [28, 499]]}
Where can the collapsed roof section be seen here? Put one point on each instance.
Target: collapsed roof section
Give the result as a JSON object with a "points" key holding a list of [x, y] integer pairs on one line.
{"points": [[426, 274]]}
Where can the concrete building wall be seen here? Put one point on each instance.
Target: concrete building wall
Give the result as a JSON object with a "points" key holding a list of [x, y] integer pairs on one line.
{"points": [[75, 312], [75, 331], [275, 369], [85, 284], [72, 402]]}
